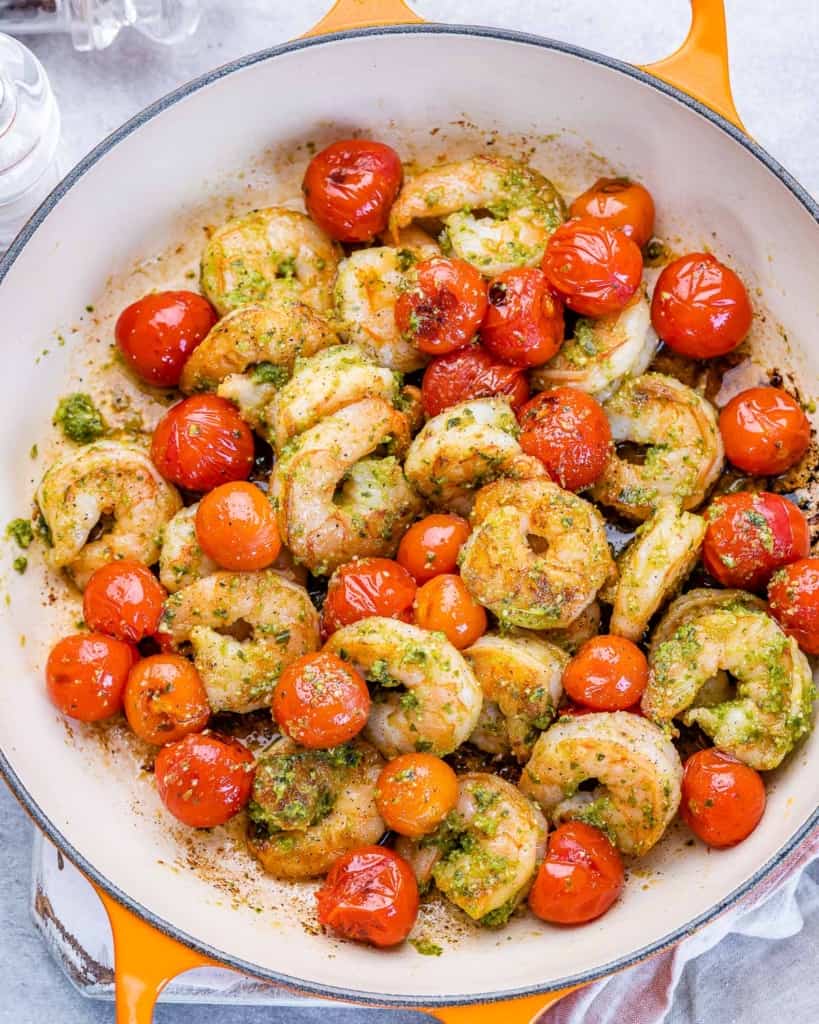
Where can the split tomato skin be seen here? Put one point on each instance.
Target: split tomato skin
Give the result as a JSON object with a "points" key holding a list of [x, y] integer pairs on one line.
{"points": [[444, 307], [165, 699], [524, 319], [469, 373], [365, 587]]}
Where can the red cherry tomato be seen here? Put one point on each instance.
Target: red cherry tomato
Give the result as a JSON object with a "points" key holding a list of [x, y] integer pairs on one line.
{"points": [[764, 431], [368, 586], [595, 270], [236, 527], [444, 308], [618, 204], [793, 598], [202, 442], [700, 308], [722, 799], [524, 320], [158, 332], [369, 895], [124, 599], [580, 878], [165, 699], [444, 605], [471, 373], [569, 432], [86, 675], [750, 536], [320, 701], [350, 186], [430, 547], [204, 779], [608, 673]]}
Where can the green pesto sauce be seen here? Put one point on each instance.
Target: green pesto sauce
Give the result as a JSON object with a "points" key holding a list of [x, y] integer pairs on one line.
{"points": [[21, 531], [426, 947], [269, 373], [79, 419]]}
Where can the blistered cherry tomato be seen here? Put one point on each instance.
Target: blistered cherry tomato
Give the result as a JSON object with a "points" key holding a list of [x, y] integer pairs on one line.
{"points": [[369, 895], [524, 319], [236, 527], [569, 432], [202, 442], [205, 779], [444, 605], [165, 699], [700, 308], [124, 599], [320, 701], [608, 673], [444, 307], [618, 204], [415, 793], [471, 373], [793, 598], [764, 431], [750, 536], [722, 798], [580, 878], [595, 270], [350, 186], [86, 675], [158, 332], [430, 547], [367, 586]]}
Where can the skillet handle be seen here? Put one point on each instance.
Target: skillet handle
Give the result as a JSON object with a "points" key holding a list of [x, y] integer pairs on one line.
{"points": [[700, 66], [510, 1011], [349, 14]]}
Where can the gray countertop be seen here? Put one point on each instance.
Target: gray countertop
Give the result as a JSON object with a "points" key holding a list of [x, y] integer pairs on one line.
{"points": [[775, 57]]}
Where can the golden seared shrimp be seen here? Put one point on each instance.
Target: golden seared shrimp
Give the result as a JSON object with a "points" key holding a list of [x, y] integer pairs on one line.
{"points": [[522, 677], [602, 352], [311, 806], [267, 254], [523, 208], [684, 453], [773, 705], [332, 502], [525, 585], [572, 637], [107, 482], [430, 700], [465, 447], [636, 767], [244, 628]]}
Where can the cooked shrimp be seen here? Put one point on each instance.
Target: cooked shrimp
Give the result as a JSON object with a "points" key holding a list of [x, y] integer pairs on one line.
{"points": [[524, 209], [525, 585], [107, 482], [269, 253], [772, 709], [694, 603], [684, 453], [521, 676], [636, 767], [214, 612], [311, 806], [572, 637], [438, 707]]}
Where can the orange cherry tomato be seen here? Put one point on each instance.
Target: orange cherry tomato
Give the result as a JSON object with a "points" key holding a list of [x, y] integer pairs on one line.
{"points": [[722, 798], [415, 793], [595, 270], [365, 587], [608, 673], [202, 442], [444, 308], [236, 527], [764, 431], [165, 699], [618, 204], [320, 701], [471, 373], [750, 536], [700, 308], [430, 547], [350, 186], [524, 319], [793, 599], [86, 675], [158, 332], [124, 599], [580, 878], [569, 432], [205, 779], [444, 605], [369, 895]]}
